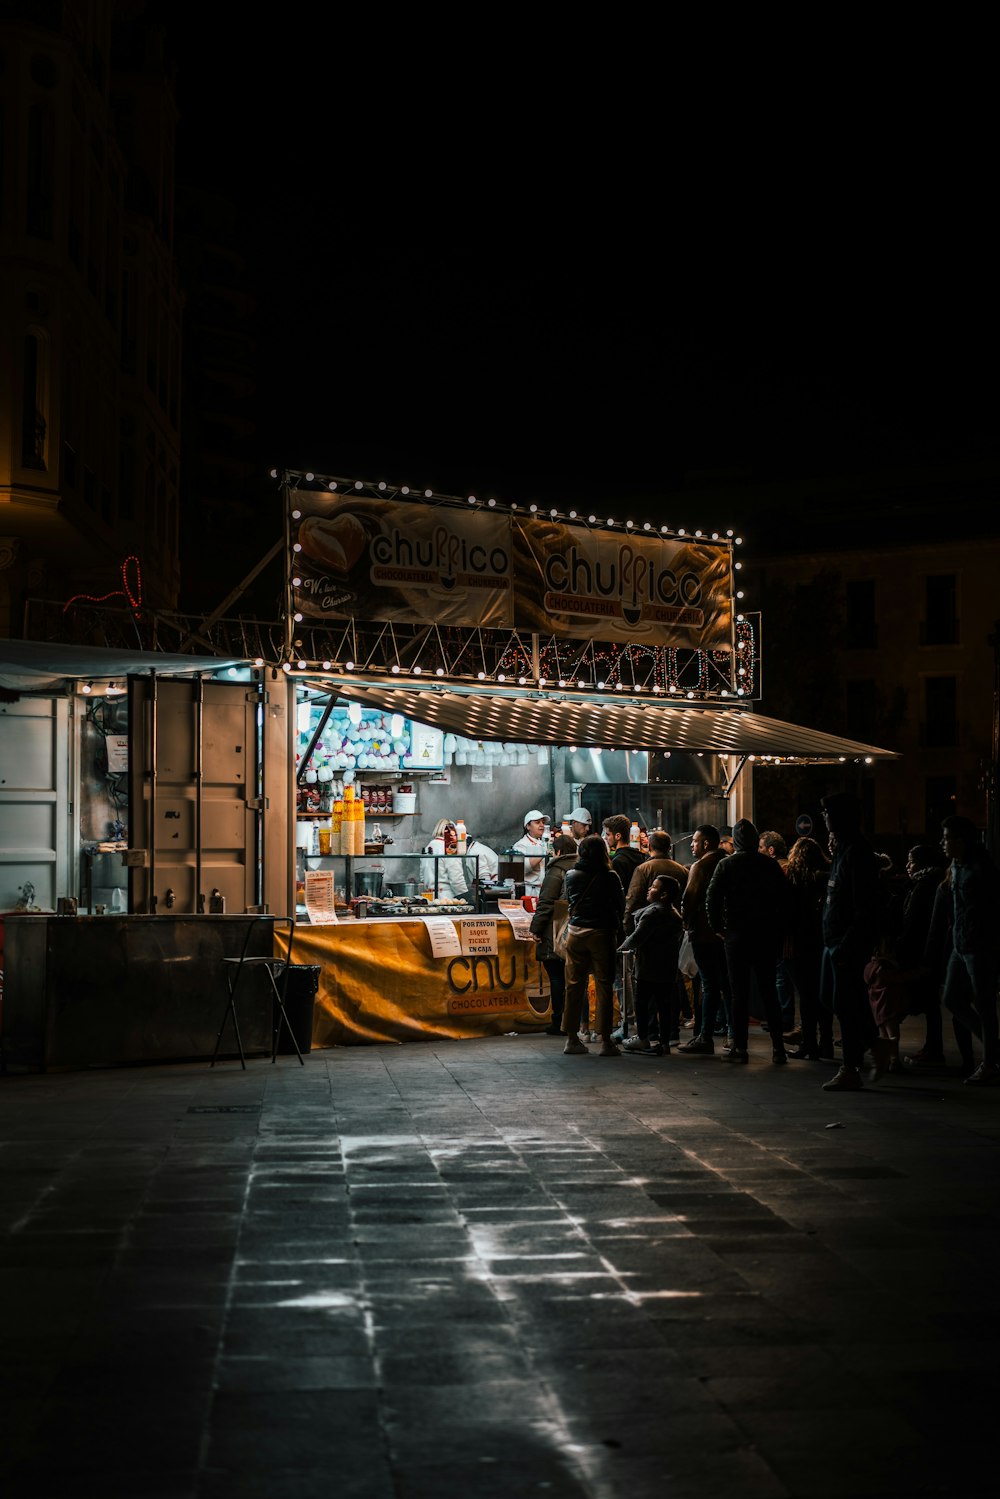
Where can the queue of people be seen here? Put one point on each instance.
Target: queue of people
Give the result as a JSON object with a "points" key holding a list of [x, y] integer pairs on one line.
{"points": [[766, 925]]}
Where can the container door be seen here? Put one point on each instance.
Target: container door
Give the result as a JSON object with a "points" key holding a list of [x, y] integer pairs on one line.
{"points": [[194, 805], [34, 791]]}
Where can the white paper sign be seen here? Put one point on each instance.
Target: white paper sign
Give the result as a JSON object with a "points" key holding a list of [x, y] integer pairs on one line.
{"points": [[117, 747], [319, 897], [479, 936], [444, 937], [483, 773], [519, 918]]}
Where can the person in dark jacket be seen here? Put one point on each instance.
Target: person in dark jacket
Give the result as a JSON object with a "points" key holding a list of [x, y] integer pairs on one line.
{"points": [[655, 943], [624, 859], [596, 911], [807, 871], [748, 902], [970, 984], [937, 950], [706, 945], [925, 871], [851, 918], [564, 858]]}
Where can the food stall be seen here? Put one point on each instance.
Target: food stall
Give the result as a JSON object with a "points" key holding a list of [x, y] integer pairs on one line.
{"points": [[443, 658]]}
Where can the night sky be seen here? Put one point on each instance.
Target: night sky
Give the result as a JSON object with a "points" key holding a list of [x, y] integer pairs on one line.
{"points": [[573, 307]]}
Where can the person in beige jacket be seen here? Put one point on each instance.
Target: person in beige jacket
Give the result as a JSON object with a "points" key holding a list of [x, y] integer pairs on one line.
{"points": [[660, 861]]}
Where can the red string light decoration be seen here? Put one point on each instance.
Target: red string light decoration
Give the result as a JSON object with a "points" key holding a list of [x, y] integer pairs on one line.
{"points": [[125, 591]]}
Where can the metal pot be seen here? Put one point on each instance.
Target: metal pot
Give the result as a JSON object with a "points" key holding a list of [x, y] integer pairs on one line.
{"points": [[407, 889], [369, 883]]}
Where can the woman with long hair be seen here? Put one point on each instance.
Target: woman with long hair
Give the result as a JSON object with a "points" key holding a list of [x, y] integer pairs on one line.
{"points": [[596, 910], [807, 871]]}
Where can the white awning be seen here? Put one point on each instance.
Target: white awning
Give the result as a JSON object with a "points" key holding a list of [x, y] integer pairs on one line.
{"points": [[36, 666], [533, 716]]}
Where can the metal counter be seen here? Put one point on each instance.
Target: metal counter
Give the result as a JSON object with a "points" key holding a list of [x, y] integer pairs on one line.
{"points": [[92, 991]]}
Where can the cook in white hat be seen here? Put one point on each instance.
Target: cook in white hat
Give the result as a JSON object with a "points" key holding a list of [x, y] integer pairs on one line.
{"points": [[535, 850], [580, 823]]}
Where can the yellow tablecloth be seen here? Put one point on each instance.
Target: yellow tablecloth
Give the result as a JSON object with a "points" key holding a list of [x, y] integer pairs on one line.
{"points": [[380, 982]]}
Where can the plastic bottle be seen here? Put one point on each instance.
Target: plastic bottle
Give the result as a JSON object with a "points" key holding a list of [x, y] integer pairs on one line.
{"points": [[461, 835], [633, 837], [117, 899]]}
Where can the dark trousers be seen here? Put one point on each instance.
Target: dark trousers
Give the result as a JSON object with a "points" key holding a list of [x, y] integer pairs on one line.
{"points": [[816, 1021], [748, 957], [556, 970], [711, 960], [656, 1009], [843, 989], [970, 993]]}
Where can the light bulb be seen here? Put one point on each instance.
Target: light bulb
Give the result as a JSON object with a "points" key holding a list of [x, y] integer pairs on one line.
{"points": [[592, 519], [296, 582], [405, 489], [296, 515], [310, 478], [440, 671], [87, 688], [381, 484], [349, 665], [428, 494], [358, 484], [395, 669], [332, 484], [327, 665]]}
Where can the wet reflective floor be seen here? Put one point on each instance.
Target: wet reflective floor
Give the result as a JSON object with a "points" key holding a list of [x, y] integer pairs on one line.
{"points": [[484, 1268]]}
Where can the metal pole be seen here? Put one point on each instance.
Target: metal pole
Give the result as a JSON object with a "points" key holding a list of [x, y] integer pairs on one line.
{"points": [[993, 770], [151, 890], [198, 904]]}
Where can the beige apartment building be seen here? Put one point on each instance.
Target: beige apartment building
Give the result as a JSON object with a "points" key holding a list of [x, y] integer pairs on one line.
{"points": [[90, 310], [894, 644]]}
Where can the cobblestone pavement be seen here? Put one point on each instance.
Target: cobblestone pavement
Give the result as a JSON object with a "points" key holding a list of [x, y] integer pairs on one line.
{"points": [[485, 1268]]}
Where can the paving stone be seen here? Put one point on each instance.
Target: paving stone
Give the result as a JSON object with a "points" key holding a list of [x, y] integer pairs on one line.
{"points": [[465, 1268]]}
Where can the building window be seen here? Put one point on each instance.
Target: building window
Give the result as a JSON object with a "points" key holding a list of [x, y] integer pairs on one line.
{"points": [[38, 172], [940, 712], [861, 632], [34, 426], [940, 622], [862, 710], [940, 800]]}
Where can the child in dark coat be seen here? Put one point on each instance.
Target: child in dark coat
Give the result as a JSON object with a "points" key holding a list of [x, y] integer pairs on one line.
{"points": [[655, 944]]}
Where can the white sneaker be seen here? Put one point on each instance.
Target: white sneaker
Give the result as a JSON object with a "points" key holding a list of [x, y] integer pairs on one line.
{"points": [[986, 1075], [631, 1043]]}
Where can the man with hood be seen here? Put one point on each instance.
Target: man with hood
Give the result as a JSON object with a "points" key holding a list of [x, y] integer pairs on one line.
{"points": [[706, 945], [850, 927], [970, 984], [748, 903]]}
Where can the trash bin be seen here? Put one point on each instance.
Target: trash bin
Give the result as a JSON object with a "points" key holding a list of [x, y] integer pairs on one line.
{"points": [[300, 1001]]}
